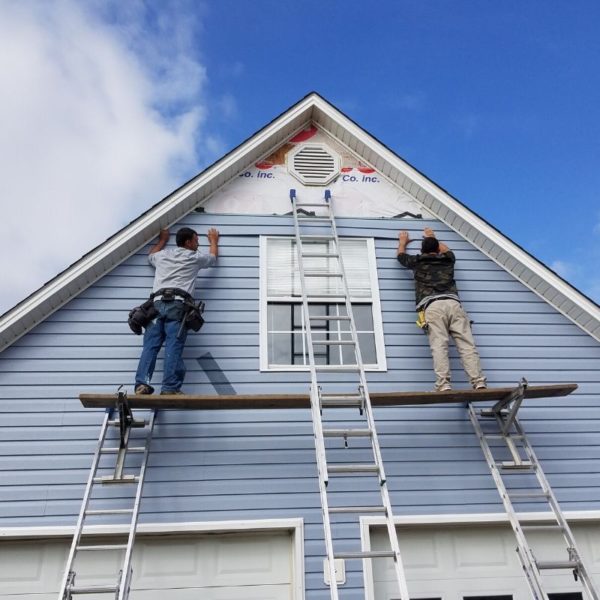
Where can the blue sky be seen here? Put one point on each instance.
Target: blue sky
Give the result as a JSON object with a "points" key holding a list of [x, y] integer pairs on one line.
{"points": [[109, 106]]}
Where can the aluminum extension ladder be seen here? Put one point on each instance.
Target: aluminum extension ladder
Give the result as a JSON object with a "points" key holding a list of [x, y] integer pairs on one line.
{"points": [[500, 423], [122, 418], [322, 400]]}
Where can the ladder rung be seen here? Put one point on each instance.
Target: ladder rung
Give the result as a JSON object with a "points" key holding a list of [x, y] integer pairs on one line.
{"points": [[115, 450], [321, 274], [366, 554], [320, 255], [138, 424], [321, 204], [512, 495], [102, 547], [509, 465], [499, 436], [347, 432], [341, 403], [100, 589], [321, 238], [124, 479], [333, 342], [541, 527], [109, 511], [338, 368], [358, 509], [335, 298], [557, 564], [329, 318], [353, 468]]}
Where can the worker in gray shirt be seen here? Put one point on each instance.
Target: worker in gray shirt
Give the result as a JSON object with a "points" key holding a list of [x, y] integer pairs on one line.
{"points": [[174, 282]]}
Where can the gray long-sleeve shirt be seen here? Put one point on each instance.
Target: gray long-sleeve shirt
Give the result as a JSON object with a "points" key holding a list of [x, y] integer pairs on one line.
{"points": [[178, 268]]}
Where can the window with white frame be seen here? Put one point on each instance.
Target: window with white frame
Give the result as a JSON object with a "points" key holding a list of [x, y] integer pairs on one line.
{"points": [[283, 332]]}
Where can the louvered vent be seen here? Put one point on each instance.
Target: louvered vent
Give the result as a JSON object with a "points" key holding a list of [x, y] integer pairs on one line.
{"points": [[313, 164]]}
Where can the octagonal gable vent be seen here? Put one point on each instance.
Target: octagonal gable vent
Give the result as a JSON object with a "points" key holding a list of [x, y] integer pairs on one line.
{"points": [[313, 164]]}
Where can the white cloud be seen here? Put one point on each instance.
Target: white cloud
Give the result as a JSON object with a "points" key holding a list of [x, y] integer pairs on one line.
{"points": [[563, 268], [100, 115]]}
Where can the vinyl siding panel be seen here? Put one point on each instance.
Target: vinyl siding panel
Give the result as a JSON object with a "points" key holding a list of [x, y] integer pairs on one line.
{"points": [[226, 465]]}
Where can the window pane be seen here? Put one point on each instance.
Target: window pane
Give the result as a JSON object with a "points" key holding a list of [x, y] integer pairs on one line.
{"points": [[280, 349], [363, 317], [279, 317]]}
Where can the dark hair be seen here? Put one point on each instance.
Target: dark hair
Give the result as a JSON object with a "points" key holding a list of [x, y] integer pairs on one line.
{"points": [[429, 244], [184, 235]]}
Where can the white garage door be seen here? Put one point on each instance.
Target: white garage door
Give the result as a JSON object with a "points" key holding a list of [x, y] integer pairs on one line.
{"points": [[453, 563], [249, 566]]}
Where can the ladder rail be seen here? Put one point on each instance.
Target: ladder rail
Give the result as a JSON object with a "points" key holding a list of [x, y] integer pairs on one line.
{"points": [[506, 418], [85, 503], [365, 405], [566, 531], [527, 560], [315, 408], [395, 546], [124, 422], [127, 571]]}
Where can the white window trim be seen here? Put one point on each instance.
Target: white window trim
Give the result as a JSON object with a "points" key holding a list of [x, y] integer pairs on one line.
{"points": [[262, 312], [367, 524], [294, 525]]}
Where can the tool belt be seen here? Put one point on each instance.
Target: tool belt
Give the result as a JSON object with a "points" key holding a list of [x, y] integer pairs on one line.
{"points": [[141, 316]]}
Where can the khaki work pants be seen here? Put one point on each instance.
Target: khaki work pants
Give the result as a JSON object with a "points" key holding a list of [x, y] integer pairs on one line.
{"points": [[447, 318]]}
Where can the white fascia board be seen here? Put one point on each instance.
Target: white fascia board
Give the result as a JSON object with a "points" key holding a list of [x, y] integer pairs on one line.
{"points": [[468, 217], [45, 301]]}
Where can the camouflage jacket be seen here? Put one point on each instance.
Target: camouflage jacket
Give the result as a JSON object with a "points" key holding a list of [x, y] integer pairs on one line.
{"points": [[434, 275]]}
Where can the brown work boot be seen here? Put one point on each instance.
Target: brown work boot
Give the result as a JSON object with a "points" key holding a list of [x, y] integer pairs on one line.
{"points": [[143, 389]]}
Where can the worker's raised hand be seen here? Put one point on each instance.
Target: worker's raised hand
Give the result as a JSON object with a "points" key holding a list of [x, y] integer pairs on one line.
{"points": [[212, 235], [403, 237], [428, 232], [163, 236]]}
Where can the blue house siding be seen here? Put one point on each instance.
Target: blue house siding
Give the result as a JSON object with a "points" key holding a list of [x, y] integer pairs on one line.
{"points": [[255, 464]]}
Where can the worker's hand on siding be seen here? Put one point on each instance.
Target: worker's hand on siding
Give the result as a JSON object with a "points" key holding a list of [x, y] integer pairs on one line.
{"points": [[428, 232], [213, 235], [403, 237]]}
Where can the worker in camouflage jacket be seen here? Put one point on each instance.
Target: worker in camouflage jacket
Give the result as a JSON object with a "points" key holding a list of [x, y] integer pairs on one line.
{"points": [[439, 309]]}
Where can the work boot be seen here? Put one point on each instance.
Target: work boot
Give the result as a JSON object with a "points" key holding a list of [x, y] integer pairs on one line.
{"points": [[143, 389]]}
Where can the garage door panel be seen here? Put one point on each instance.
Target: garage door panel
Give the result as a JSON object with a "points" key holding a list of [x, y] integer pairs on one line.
{"points": [[478, 560], [211, 566], [27, 566], [469, 560], [237, 560]]}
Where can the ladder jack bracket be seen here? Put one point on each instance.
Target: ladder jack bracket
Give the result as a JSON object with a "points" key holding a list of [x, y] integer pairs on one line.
{"points": [[327, 195], [126, 418], [292, 195], [507, 408]]}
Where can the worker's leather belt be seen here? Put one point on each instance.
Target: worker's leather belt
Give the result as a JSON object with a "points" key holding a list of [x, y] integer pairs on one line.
{"points": [[170, 295]]}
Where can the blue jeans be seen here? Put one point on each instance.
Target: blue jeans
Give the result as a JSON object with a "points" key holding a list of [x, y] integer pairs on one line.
{"points": [[164, 329]]}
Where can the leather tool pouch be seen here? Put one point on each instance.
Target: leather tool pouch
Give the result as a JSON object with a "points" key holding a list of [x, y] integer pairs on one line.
{"points": [[193, 317], [141, 316]]}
